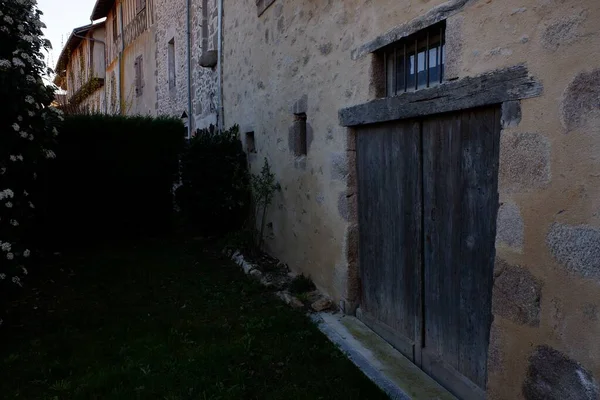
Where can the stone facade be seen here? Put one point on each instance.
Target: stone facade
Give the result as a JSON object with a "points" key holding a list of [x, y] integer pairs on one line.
{"points": [[316, 56], [172, 28]]}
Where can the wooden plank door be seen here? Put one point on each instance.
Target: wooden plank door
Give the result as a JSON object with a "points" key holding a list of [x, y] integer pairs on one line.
{"points": [[389, 172], [460, 191]]}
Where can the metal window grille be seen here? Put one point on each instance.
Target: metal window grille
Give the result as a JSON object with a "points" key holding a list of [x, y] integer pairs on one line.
{"points": [[415, 62]]}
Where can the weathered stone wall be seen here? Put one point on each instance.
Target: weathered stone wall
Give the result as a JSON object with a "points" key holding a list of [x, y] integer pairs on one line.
{"points": [[171, 25], [299, 56]]}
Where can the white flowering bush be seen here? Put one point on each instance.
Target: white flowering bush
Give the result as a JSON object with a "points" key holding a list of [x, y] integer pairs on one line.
{"points": [[27, 130]]}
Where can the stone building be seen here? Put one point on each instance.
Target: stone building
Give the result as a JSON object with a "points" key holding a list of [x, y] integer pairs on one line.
{"points": [[176, 20], [449, 196], [130, 58], [81, 68], [438, 163]]}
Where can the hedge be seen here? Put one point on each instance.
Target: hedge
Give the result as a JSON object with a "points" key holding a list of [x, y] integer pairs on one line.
{"points": [[112, 178], [214, 196]]}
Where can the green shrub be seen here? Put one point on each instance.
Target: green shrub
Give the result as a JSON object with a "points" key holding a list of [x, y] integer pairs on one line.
{"points": [[113, 178], [214, 196], [301, 284], [27, 131]]}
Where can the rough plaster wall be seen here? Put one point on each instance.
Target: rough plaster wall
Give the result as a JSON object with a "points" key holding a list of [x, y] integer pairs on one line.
{"points": [[171, 24], [112, 88], [298, 50], [549, 186], [95, 102], [550, 154], [144, 46]]}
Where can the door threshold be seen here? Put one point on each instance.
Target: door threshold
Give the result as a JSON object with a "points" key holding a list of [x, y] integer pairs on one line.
{"points": [[392, 372]]}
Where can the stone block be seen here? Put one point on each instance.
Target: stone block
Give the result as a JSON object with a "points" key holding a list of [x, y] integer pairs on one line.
{"points": [[511, 114], [516, 294], [579, 104], [209, 59], [562, 31], [300, 106], [577, 248], [454, 46], [554, 376], [339, 166], [321, 305], [348, 206], [510, 229], [352, 248], [524, 162]]}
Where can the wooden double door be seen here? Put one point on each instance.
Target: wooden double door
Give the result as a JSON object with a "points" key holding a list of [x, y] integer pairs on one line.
{"points": [[428, 201]]}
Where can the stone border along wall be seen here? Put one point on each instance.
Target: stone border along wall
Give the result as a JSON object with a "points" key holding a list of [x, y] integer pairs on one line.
{"points": [[317, 302]]}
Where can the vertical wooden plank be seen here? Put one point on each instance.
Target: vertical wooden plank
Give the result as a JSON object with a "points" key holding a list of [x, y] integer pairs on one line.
{"points": [[388, 160], [481, 132], [460, 205], [441, 144]]}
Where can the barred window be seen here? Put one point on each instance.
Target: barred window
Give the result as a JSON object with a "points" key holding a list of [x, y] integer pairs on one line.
{"points": [[416, 61]]}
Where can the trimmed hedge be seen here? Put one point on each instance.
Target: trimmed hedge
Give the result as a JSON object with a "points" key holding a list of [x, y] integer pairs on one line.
{"points": [[214, 196], [113, 178]]}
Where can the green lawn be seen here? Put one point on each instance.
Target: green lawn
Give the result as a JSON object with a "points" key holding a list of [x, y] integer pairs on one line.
{"points": [[164, 321]]}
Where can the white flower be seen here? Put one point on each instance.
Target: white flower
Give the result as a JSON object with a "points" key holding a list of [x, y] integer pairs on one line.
{"points": [[26, 253], [20, 157], [8, 204], [14, 222], [29, 100], [50, 154], [4, 29], [30, 113], [9, 194], [5, 64], [28, 38], [13, 158], [16, 127], [24, 270], [31, 137], [20, 27], [19, 118], [10, 256], [17, 62], [2, 171], [6, 246], [31, 205], [3, 276], [54, 131], [25, 193], [24, 135], [8, 20], [16, 280]]}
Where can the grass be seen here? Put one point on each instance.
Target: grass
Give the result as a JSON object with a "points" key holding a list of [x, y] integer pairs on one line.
{"points": [[165, 321]]}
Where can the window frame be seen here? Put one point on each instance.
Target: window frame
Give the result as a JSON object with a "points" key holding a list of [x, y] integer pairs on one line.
{"points": [[171, 64], [409, 50]]}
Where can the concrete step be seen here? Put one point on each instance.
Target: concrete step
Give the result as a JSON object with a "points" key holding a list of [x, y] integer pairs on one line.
{"points": [[385, 366]]}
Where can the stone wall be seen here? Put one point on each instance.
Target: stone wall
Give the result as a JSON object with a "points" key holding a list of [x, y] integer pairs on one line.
{"points": [[306, 56], [172, 25]]}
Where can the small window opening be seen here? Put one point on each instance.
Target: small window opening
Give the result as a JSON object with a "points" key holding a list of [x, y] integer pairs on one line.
{"points": [[139, 76], [300, 144], [250, 143], [415, 62], [171, 64]]}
